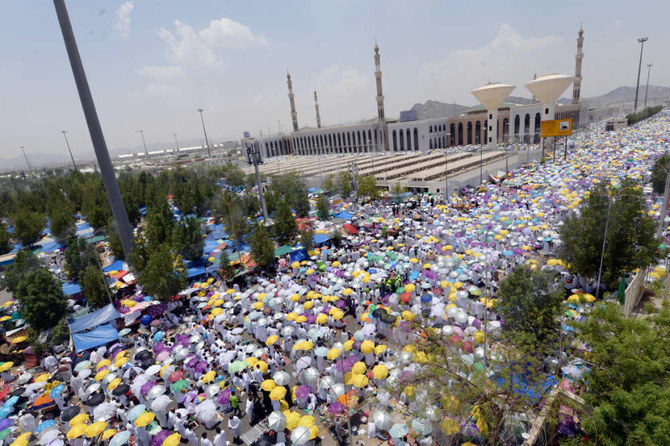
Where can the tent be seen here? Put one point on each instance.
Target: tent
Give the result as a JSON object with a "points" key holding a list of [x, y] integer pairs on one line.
{"points": [[344, 215], [195, 271], [94, 329], [71, 288], [114, 266], [320, 239], [283, 250], [299, 255]]}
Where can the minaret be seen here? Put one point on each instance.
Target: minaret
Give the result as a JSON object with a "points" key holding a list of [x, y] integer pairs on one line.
{"points": [[380, 102], [576, 89], [316, 106], [534, 98], [294, 115]]}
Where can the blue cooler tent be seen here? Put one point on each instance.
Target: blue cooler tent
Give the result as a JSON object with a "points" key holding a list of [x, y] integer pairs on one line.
{"points": [[94, 329]]}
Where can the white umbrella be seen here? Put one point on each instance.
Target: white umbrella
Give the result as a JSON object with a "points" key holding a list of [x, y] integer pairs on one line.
{"points": [[160, 403], [383, 420], [300, 435], [104, 412], [277, 421], [281, 378], [154, 369], [156, 391], [213, 390], [205, 410], [303, 362]]}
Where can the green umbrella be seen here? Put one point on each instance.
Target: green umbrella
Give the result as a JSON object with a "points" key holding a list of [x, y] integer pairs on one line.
{"points": [[237, 366], [180, 385], [400, 290], [4, 433]]}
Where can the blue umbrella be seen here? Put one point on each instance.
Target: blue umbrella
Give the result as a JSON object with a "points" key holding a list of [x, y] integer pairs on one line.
{"points": [[426, 298], [120, 439], [11, 401], [158, 336], [57, 391], [44, 425], [5, 411], [398, 430], [508, 253]]}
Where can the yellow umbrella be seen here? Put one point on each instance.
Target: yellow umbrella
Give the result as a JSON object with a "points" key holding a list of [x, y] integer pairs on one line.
{"points": [[6, 366], [379, 349], [347, 291], [450, 426], [414, 260], [380, 371], [19, 339], [313, 432], [5, 318], [43, 377], [76, 431], [367, 346], [410, 287], [348, 345], [308, 305], [95, 429], [263, 366], [217, 311], [207, 377], [307, 421], [120, 362], [145, 419], [359, 367], [103, 363], [251, 361], [358, 380], [337, 315], [277, 393], [257, 305], [261, 296], [407, 315], [304, 345], [333, 353], [114, 384], [101, 375], [172, 440], [271, 340], [322, 318], [292, 419], [21, 440], [109, 433], [268, 385], [79, 419]]}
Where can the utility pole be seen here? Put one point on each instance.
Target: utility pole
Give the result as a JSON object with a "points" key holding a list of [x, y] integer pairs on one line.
{"points": [[176, 142], [254, 158], [646, 90], [446, 177], [639, 68], [64, 132], [30, 168], [94, 128], [209, 153]]}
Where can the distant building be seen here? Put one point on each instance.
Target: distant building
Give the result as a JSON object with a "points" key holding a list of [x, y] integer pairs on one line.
{"points": [[516, 124]]}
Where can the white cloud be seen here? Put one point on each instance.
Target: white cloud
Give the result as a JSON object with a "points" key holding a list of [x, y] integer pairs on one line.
{"points": [[122, 23], [186, 46], [227, 33], [509, 57], [166, 72]]}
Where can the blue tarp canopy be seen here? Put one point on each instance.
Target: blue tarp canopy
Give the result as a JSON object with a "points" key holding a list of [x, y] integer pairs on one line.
{"points": [[299, 255], [116, 266], [320, 238], [344, 215], [100, 335], [210, 245], [70, 288], [86, 322], [195, 271], [50, 247]]}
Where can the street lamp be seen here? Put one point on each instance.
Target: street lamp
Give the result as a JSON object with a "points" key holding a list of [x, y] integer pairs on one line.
{"points": [[200, 110], [646, 90], [639, 68], [30, 169], [176, 142], [254, 158], [68, 149]]}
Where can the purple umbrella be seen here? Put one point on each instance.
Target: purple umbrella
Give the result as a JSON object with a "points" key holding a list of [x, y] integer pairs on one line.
{"points": [[406, 376], [192, 362], [340, 304], [224, 397], [346, 364], [4, 424], [160, 437], [159, 347], [146, 387], [190, 396], [201, 367], [336, 408], [302, 391]]}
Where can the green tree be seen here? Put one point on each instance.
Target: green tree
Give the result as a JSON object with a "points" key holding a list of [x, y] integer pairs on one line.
{"points": [[99, 216], [234, 176], [329, 185], [232, 213], [628, 384], [659, 172], [285, 227], [188, 239], [5, 246], [226, 269], [164, 274], [62, 221], [115, 243], [262, 248], [28, 226], [630, 241], [368, 187], [78, 255], [530, 303], [398, 189], [323, 207], [24, 262], [41, 299], [93, 286], [307, 239], [159, 222], [344, 183]]}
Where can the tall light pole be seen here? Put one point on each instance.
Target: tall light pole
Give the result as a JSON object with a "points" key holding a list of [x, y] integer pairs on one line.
{"points": [[144, 143], [30, 169], [64, 132], [646, 90], [176, 142], [639, 68], [254, 158], [94, 128], [209, 153], [446, 176]]}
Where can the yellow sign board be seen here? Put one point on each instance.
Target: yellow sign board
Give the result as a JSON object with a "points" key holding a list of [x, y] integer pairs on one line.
{"points": [[556, 127]]}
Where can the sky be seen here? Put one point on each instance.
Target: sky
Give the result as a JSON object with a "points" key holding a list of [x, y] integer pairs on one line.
{"points": [[152, 63]]}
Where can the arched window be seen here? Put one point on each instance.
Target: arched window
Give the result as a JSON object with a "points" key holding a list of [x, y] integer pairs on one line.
{"points": [[395, 141], [460, 133], [478, 132], [452, 137], [416, 139], [536, 136], [526, 128], [402, 140], [517, 124], [469, 132]]}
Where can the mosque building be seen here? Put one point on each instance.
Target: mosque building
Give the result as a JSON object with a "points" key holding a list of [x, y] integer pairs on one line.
{"points": [[516, 124]]}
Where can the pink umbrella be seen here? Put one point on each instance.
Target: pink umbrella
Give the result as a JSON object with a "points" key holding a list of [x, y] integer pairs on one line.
{"points": [[162, 356], [176, 376]]}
